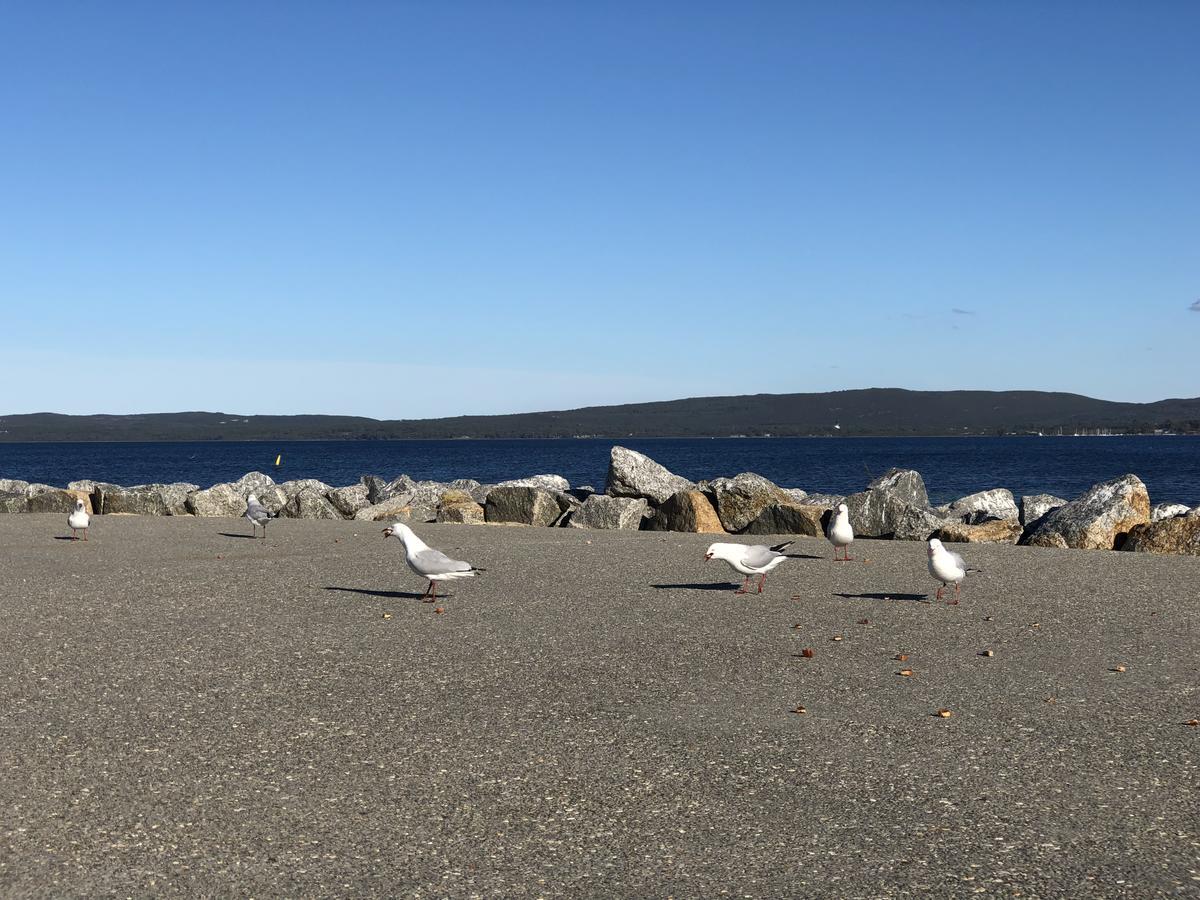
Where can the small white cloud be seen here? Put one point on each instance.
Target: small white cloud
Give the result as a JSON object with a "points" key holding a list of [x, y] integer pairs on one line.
{"points": [[962, 312], [1195, 307]]}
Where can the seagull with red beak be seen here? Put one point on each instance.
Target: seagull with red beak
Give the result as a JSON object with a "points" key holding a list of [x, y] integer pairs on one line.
{"points": [[749, 560]]}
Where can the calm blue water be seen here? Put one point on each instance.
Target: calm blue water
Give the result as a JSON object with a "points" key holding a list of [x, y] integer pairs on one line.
{"points": [[1065, 466]]}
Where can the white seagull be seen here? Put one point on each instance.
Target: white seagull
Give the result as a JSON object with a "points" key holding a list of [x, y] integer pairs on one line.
{"points": [[78, 521], [841, 533], [258, 515], [427, 562], [946, 567], [752, 559]]}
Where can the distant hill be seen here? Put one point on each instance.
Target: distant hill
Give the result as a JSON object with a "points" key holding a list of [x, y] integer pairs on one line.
{"points": [[876, 411]]}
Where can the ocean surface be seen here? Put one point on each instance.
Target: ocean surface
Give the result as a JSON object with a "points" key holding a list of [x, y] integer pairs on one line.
{"points": [[952, 467]]}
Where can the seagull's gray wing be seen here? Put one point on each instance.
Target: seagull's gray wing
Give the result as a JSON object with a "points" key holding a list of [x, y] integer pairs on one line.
{"points": [[435, 562], [257, 512], [757, 556], [962, 563]]}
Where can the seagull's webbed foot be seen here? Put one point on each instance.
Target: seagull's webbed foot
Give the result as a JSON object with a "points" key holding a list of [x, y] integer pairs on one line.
{"points": [[742, 589]]}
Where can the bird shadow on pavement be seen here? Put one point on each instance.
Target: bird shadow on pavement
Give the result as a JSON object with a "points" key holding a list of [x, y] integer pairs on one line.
{"points": [[715, 586], [249, 537], [916, 598], [61, 537], [391, 595]]}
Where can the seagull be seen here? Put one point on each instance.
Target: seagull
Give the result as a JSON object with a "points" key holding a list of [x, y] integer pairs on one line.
{"points": [[753, 559], [258, 515], [78, 521], [427, 562], [946, 567], [841, 533]]}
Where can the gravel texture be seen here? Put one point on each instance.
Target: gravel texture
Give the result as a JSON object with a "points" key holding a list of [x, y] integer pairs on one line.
{"points": [[185, 710]]}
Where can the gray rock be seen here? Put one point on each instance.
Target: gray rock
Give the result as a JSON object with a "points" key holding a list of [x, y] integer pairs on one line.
{"points": [[309, 503], [376, 489], [139, 500], [142, 499], [741, 499], [175, 496], [1034, 506], [602, 511], [273, 498], [255, 483], [896, 497], [14, 501], [292, 488], [632, 474], [395, 509], [217, 501], [546, 482], [54, 500], [567, 504], [1097, 520], [349, 500], [13, 486], [423, 497], [789, 518], [974, 509], [1161, 511], [906, 484], [798, 495], [32, 490], [522, 505], [86, 485], [916, 523], [826, 501]]}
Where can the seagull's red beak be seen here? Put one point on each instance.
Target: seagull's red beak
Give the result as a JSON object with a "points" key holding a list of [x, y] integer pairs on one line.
{"points": [[387, 532], [708, 556]]}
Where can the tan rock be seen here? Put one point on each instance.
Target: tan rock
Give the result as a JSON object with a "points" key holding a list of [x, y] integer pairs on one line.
{"points": [[995, 531], [687, 510], [459, 507], [1179, 536]]}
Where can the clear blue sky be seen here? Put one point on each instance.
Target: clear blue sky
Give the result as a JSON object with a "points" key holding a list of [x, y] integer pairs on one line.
{"points": [[419, 209]]}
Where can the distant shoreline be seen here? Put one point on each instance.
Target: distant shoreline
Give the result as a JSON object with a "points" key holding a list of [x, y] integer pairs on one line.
{"points": [[638, 437], [874, 412]]}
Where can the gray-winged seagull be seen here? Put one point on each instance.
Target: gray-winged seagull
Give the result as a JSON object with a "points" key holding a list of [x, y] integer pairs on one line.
{"points": [[427, 562], [749, 560]]}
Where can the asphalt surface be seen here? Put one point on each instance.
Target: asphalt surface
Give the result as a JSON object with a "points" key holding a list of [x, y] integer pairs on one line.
{"points": [[184, 710]]}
